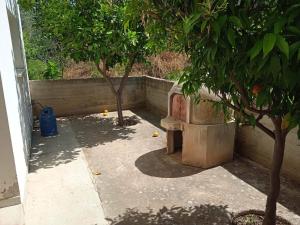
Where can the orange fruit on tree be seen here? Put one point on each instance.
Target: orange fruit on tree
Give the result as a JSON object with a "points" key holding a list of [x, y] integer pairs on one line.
{"points": [[256, 89]]}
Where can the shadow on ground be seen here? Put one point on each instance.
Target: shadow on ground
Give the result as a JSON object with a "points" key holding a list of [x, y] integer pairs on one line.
{"points": [[158, 164], [93, 130], [258, 177], [196, 215], [89, 131], [150, 117], [48, 152]]}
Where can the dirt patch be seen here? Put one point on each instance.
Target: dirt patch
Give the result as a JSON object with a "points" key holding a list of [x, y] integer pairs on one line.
{"points": [[254, 217], [161, 65], [128, 121]]}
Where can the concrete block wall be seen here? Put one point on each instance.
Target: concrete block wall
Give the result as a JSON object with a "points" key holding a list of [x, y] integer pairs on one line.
{"points": [[256, 145], [85, 96], [157, 95]]}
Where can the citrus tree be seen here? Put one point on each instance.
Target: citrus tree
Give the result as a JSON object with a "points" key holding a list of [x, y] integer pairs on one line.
{"points": [[245, 52], [94, 30]]}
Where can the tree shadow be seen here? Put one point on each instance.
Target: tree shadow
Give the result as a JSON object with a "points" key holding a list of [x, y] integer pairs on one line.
{"points": [[258, 177], [158, 164], [149, 117], [197, 215], [75, 133], [94, 130], [49, 152]]}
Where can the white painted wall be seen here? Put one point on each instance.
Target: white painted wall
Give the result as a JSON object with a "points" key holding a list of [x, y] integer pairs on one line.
{"points": [[15, 92], [8, 175]]}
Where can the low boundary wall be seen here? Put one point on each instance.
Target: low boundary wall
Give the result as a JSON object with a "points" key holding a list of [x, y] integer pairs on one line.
{"points": [[85, 96], [258, 146], [157, 95]]}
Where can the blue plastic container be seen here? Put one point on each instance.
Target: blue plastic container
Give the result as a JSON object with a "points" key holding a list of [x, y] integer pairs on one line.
{"points": [[48, 124]]}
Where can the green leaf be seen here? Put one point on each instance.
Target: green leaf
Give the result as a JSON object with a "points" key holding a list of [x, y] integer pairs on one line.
{"points": [[255, 50], [262, 63], [126, 25], [298, 56], [292, 8], [275, 65], [189, 23], [203, 25], [231, 37], [279, 25], [252, 120], [216, 28], [235, 20], [282, 44], [213, 52], [261, 99], [221, 20], [294, 48], [293, 29], [290, 120], [268, 43]]}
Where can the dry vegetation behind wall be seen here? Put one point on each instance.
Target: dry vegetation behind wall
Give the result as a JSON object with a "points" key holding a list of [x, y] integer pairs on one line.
{"points": [[166, 63], [161, 66]]}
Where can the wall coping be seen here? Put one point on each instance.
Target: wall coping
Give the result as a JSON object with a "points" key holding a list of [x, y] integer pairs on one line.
{"points": [[159, 79], [87, 80], [101, 79]]}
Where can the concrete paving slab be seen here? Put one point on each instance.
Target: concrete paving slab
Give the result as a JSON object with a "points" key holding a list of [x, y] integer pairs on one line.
{"points": [[12, 215], [139, 185], [60, 190]]}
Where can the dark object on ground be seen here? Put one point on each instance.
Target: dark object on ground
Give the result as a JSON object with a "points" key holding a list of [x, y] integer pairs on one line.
{"points": [[48, 122], [254, 217], [129, 121]]}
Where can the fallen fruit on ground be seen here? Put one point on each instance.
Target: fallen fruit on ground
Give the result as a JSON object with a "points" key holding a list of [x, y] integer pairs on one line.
{"points": [[155, 134]]}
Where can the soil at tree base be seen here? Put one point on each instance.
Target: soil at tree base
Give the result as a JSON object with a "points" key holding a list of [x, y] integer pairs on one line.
{"points": [[255, 219]]}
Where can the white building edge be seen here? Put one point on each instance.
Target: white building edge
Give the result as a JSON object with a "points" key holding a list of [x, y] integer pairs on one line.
{"points": [[15, 108]]}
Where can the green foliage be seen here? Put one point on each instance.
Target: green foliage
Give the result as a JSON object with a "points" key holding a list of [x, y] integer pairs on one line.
{"points": [[268, 43], [39, 70], [235, 46], [52, 71], [41, 51], [92, 30], [100, 31], [36, 69]]}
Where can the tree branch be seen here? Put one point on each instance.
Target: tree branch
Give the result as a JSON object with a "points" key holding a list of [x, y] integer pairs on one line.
{"points": [[260, 116], [128, 68], [244, 98], [103, 71], [258, 124], [266, 130]]}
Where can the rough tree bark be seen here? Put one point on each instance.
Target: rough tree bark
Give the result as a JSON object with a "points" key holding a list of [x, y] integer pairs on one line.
{"points": [[119, 108], [118, 92], [278, 154]]}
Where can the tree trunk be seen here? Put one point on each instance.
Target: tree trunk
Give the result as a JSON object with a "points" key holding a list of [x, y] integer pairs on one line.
{"points": [[270, 213], [118, 93], [119, 108]]}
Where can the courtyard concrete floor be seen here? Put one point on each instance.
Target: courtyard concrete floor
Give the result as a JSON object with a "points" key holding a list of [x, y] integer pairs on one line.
{"points": [[137, 183]]}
